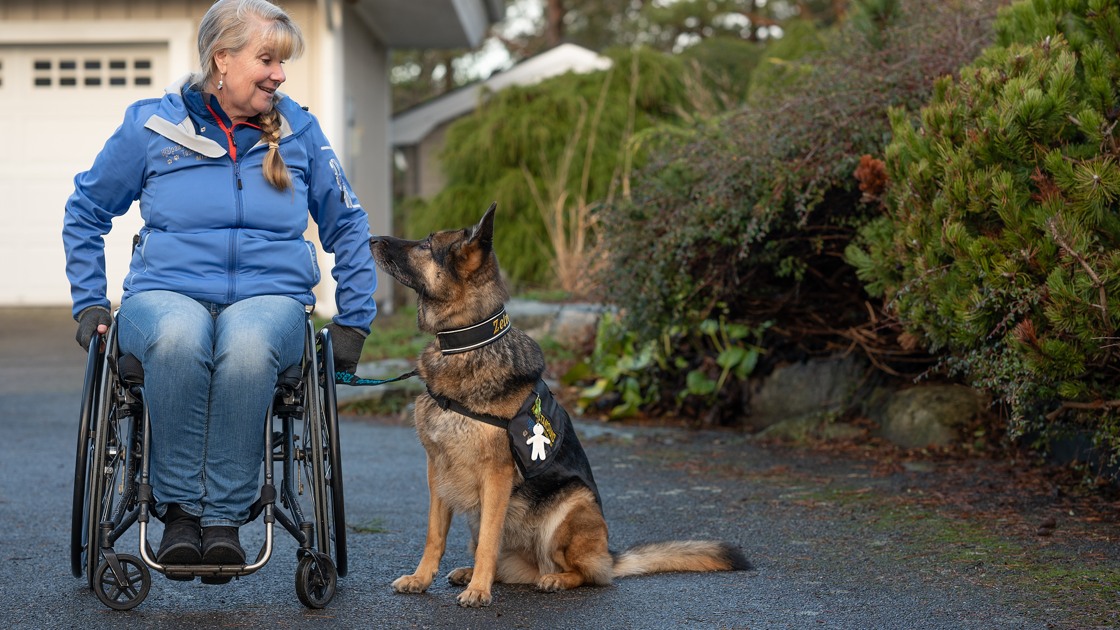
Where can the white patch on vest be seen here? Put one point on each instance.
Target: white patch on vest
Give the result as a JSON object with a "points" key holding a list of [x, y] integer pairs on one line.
{"points": [[538, 441]]}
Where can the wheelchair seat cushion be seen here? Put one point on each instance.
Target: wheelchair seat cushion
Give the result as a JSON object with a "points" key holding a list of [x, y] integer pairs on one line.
{"points": [[291, 377], [130, 370]]}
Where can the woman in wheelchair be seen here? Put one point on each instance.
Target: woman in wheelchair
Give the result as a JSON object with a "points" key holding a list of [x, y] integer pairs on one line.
{"points": [[227, 171]]}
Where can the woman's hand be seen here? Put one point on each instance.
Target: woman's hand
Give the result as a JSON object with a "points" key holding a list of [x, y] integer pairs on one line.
{"points": [[92, 320], [347, 343]]}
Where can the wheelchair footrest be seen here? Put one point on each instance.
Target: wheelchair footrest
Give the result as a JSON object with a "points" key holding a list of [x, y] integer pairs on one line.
{"points": [[191, 571]]}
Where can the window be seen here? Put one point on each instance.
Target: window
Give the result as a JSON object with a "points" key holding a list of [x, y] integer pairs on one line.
{"points": [[92, 72], [43, 72]]}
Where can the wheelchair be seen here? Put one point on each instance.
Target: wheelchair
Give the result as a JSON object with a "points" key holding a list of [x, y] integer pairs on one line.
{"points": [[112, 490]]}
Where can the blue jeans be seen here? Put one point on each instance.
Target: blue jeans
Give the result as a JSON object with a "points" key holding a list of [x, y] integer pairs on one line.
{"points": [[209, 374]]}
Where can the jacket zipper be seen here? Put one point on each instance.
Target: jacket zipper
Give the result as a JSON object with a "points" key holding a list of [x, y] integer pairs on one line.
{"points": [[232, 273]]}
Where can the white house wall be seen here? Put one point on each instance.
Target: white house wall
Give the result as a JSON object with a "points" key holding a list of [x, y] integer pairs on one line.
{"points": [[431, 178], [366, 109], [51, 137]]}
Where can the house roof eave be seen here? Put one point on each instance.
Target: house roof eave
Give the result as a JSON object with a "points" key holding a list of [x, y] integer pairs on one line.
{"points": [[430, 23], [412, 125]]}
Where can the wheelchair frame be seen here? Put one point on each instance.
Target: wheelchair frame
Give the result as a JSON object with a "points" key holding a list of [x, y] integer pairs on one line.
{"points": [[112, 489]]}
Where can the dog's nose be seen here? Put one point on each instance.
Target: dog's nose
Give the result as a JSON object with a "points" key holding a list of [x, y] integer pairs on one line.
{"points": [[373, 240]]}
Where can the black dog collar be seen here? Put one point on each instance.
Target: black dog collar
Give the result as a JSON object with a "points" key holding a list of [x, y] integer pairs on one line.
{"points": [[476, 336]]}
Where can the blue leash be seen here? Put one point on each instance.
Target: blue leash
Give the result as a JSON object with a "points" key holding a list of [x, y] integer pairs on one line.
{"points": [[348, 378]]}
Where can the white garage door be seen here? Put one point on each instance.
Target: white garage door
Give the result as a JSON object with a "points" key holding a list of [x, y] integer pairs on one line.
{"points": [[58, 105]]}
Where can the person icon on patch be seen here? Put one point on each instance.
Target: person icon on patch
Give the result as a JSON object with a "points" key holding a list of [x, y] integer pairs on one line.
{"points": [[538, 441]]}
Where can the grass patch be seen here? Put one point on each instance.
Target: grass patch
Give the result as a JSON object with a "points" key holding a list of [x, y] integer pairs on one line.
{"points": [[545, 295], [1083, 589], [395, 336], [392, 336], [372, 526]]}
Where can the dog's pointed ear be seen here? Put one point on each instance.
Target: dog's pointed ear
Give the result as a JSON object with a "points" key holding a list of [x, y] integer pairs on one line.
{"points": [[483, 232], [479, 246]]}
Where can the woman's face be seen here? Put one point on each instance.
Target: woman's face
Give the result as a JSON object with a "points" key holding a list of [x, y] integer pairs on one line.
{"points": [[252, 75]]}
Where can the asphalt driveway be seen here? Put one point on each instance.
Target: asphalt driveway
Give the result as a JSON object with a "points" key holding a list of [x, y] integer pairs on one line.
{"points": [[837, 541]]}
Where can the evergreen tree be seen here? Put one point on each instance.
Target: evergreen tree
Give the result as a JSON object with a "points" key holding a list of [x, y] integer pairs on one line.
{"points": [[566, 139], [534, 26], [1001, 240]]}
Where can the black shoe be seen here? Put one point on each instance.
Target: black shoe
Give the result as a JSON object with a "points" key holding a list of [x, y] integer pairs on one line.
{"points": [[182, 540], [221, 545]]}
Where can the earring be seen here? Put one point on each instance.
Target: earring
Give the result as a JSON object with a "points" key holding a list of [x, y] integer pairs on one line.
{"points": [[221, 81]]}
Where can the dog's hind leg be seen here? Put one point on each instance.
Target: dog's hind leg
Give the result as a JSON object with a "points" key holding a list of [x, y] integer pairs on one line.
{"points": [[513, 568], [579, 550], [439, 521], [494, 493], [461, 576]]}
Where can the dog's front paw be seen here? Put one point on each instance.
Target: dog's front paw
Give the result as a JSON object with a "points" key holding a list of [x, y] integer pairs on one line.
{"points": [[461, 576], [474, 598], [411, 584]]}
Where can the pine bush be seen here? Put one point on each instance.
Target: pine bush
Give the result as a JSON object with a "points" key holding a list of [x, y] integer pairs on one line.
{"points": [[1000, 244]]}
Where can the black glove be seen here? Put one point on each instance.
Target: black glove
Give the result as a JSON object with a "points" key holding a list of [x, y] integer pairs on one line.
{"points": [[347, 343], [88, 320]]}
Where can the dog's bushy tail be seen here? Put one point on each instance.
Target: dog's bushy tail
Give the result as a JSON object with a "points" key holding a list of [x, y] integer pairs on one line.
{"points": [[679, 555]]}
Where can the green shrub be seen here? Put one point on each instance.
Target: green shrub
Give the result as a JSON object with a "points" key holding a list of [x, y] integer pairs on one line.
{"points": [[748, 217], [526, 131], [682, 372], [1001, 240], [785, 61]]}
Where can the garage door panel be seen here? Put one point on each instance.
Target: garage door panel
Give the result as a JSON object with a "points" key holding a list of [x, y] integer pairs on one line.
{"points": [[58, 105]]}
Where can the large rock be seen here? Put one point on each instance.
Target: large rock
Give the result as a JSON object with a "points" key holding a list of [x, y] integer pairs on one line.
{"points": [[928, 414], [571, 325], [820, 388]]}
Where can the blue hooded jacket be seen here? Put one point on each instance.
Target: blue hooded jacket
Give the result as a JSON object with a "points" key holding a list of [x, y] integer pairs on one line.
{"points": [[214, 228]]}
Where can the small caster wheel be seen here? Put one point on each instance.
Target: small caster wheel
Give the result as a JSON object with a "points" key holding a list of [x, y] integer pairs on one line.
{"points": [[315, 580], [119, 597]]}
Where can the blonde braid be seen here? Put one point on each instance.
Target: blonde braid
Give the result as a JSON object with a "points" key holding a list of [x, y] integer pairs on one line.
{"points": [[275, 171]]}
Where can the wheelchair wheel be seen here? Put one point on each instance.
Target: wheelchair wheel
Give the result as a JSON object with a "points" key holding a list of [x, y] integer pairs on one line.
{"points": [[78, 524], [112, 463], [316, 580], [102, 469], [138, 580], [335, 511]]}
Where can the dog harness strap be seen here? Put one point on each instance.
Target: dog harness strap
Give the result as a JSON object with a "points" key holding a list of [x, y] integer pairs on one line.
{"points": [[476, 336], [448, 404], [348, 378]]}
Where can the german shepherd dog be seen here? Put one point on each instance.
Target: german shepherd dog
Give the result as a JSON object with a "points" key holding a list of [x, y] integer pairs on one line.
{"points": [[527, 526]]}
